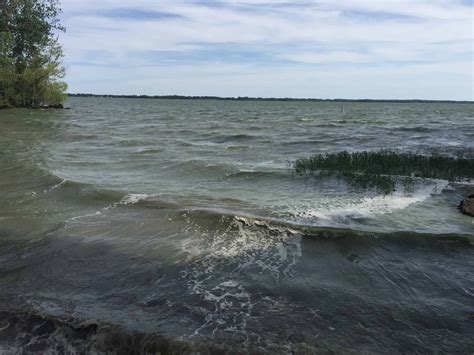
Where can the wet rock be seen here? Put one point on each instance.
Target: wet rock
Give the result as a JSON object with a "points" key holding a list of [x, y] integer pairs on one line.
{"points": [[52, 106], [467, 205]]}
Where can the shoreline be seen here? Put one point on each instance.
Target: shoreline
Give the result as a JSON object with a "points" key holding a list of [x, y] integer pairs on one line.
{"points": [[58, 107], [90, 335]]}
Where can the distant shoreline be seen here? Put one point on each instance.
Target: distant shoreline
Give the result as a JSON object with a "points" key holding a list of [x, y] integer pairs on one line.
{"points": [[245, 98]]}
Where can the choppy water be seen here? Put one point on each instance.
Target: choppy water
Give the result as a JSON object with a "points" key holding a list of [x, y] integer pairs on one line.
{"points": [[184, 219]]}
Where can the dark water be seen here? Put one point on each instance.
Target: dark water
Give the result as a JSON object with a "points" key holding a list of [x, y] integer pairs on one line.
{"points": [[182, 221]]}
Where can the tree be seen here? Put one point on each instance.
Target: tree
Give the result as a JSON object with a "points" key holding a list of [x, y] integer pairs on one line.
{"points": [[30, 55]]}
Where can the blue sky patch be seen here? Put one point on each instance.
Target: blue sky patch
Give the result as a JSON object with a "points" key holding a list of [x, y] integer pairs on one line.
{"points": [[137, 14]]}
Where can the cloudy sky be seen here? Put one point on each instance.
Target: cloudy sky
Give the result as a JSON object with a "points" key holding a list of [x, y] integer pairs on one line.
{"points": [[322, 48]]}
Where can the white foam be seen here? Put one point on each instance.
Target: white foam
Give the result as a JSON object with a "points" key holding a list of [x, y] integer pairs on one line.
{"points": [[378, 205], [45, 191], [246, 244], [96, 213], [131, 199], [62, 182], [126, 200]]}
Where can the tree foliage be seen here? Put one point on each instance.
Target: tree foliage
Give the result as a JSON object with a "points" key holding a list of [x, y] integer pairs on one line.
{"points": [[30, 55]]}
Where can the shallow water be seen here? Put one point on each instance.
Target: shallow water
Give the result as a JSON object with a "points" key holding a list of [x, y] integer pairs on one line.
{"points": [[184, 218]]}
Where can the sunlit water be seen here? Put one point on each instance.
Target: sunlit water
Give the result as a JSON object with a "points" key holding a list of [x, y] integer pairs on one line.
{"points": [[185, 218]]}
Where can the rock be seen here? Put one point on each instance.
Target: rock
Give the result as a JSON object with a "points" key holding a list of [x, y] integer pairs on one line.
{"points": [[52, 106], [467, 205]]}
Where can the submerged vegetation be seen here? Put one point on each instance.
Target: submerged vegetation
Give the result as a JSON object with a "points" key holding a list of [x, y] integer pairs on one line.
{"points": [[382, 170], [30, 55]]}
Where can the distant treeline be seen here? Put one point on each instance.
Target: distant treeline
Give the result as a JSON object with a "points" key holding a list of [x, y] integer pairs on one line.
{"points": [[247, 98]]}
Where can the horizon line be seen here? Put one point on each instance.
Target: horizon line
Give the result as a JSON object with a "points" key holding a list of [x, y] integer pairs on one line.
{"points": [[257, 98]]}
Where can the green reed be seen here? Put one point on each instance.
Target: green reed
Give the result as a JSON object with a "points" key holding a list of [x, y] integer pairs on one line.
{"points": [[383, 169]]}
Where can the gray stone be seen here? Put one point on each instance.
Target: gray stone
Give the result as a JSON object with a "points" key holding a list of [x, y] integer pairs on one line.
{"points": [[467, 205]]}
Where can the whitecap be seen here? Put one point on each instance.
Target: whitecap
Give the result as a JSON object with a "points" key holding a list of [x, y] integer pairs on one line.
{"points": [[132, 199], [371, 206]]}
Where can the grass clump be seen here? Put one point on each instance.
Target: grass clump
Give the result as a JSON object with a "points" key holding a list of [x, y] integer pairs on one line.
{"points": [[383, 169]]}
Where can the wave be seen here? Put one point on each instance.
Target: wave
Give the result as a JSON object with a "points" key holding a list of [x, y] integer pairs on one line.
{"points": [[222, 219], [224, 170], [99, 199], [147, 151], [247, 174], [197, 167], [321, 140], [83, 193], [378, 205], [237, 147], [25, 180], [25, 176], [419, 129], [348, 233], [234, 138]]}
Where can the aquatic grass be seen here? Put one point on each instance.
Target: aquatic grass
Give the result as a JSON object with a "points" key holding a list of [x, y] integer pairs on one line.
{"points": [[383, 169]]}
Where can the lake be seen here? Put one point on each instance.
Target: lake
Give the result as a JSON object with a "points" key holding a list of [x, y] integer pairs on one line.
{"points": [[185, 220]]}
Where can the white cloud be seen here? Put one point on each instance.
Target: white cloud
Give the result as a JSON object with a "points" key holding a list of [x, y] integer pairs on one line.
{"points": [[322, 38], [329, 57]]}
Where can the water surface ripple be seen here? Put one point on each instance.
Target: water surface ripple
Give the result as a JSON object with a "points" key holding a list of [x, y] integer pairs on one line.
{"points": [[184, 220]]}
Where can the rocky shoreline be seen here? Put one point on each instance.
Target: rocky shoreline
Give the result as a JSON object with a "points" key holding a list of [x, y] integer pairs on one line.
{"points": [[35, 333], [59, 106]]}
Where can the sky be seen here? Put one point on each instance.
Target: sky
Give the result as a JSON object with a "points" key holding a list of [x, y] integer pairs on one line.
{"points": [[378, 49]]}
